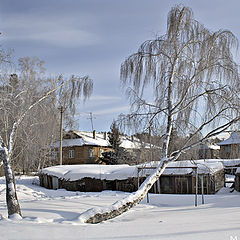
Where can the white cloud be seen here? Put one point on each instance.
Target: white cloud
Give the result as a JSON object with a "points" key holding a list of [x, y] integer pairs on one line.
{"points": [[63, 32], [67, 38], [102, 105], [105, 98], [99, 102], [112, 110], [105, 111]]}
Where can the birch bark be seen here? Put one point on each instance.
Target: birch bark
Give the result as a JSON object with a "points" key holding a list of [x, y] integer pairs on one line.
{"points": [[11, 193]]}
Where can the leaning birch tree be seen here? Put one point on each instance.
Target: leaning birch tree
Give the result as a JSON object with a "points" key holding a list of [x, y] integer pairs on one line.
{"points": [[10, 103], [186, 79]]}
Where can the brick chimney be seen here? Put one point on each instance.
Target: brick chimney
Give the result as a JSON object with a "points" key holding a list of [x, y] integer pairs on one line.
{"points": [[105, 135]]}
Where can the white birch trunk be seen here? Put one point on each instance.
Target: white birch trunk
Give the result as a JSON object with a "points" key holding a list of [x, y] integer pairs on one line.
{"points": [[98, 215], [13, 205], [194, 55], [94, 216], [11, 194], [6, 153]]}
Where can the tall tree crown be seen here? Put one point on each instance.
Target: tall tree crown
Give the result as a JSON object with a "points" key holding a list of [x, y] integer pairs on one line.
{"points": [[114, 137], [189, 66]]}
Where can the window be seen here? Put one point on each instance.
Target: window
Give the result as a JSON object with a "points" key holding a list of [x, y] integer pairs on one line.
{"points": [[101, 152], [71, 153], [227, 148], [91, 152]]}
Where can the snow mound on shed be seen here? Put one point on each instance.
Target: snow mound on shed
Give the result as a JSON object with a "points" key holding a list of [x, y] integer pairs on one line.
{"points": [[97, 171]]}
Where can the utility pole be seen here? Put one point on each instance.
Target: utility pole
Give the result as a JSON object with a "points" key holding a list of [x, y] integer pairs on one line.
{"points": [[91, 118], [150, 139], [61, 135]]}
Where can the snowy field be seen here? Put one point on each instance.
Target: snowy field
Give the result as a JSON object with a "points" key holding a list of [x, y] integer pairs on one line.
{"points": [[52, 214]]}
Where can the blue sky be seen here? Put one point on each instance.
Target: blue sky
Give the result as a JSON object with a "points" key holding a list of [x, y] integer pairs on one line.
{"points": [[93, 37]]}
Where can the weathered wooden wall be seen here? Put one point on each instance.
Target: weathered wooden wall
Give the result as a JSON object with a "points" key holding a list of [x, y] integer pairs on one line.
{"points": [[1, 171], [82, 154], [176, 184], [219, 176], [231, 151], [207, 153], [237, 182]]}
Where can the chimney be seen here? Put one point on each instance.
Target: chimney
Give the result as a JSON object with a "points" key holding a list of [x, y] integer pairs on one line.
{"points": [[94, 134], [105, 135]]}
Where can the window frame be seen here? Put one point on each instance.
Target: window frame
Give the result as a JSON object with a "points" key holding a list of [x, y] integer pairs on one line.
{"points": [[71, 153], [91, 152]]}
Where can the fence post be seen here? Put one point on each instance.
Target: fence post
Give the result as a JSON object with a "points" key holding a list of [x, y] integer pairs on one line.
{"points": [[196, 186], [202, 189]]}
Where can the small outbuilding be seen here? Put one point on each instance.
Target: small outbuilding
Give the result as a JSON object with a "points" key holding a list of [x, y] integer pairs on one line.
{"points": [[178, 178], [230, 148]]}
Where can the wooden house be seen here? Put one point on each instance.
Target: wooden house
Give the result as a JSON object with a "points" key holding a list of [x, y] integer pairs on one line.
{"points": [[230, 148], [82, 147]]}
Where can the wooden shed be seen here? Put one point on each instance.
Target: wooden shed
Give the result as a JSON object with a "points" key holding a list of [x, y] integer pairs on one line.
{"points": [[180, 177], [95, 178], [186, 184]]}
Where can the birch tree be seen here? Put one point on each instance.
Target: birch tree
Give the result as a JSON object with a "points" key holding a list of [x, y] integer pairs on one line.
{"points": [[17, 106], [185, 79], [39, 128]]}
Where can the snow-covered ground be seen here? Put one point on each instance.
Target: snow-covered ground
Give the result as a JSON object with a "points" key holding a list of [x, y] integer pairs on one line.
{"points": [[53, 214]]}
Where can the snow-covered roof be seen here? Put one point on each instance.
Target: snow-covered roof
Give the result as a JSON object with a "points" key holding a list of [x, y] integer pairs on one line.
{"points": [[187, 166], [233, 139], [225, 162], [76, 172], [86, 138], [231, 162], [124, 171], [132, 143]]}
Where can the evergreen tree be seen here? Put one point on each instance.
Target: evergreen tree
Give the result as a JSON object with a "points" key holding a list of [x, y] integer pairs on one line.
{"points": [[114, 138], [113, 158]]}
